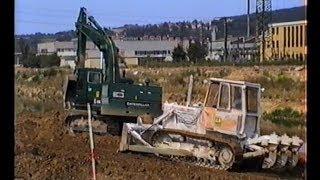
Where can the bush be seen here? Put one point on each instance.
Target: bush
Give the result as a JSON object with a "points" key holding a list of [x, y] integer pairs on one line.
{"points": [[50, 72], [49, 60], [286, 117], [223, 73], [42, 61], [202, 62], [31, 61]]}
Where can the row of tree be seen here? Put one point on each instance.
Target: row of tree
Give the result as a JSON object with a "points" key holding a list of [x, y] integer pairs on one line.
{"points": [[29, 58], [195, 53]]}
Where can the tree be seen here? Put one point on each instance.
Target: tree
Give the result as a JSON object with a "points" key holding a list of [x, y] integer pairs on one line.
{"points": [[48, 60], [178, 54], [32, 61], [27, 56], [41, 61], [196, 52]]}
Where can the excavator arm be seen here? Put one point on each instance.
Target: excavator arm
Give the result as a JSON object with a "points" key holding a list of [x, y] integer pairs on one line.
{"points": [[87, 27]]}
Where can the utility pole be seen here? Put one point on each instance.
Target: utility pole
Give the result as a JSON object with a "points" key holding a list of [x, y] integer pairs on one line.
{"points": [[225, 40], [263, 13], [263, 37], [248, 19]]}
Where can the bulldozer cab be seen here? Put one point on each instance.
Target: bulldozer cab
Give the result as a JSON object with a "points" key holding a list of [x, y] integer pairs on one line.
{"points": [[232, 107]]}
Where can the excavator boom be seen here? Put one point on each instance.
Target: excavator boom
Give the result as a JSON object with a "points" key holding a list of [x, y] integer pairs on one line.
{"points": [[88, 27]]}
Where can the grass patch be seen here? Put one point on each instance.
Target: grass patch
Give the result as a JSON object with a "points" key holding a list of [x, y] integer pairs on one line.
{"points": [[279, 86], [287, 117]]}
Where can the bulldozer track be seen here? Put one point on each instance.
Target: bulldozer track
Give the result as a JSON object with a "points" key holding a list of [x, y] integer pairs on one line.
{"points": [[193, 161], [214, 137], [216, 162]]}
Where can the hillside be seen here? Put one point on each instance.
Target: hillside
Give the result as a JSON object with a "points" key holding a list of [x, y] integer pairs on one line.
{"points": [[177, 29]]}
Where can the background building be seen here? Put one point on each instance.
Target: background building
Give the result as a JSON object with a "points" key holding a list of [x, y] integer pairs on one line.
{"points": [[239, 48], [288, 41], [132, 51], [135, 51]]}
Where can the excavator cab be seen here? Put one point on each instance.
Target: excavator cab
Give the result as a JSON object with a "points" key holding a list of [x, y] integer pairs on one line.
{"points": [[232, 107], [83, 87]]}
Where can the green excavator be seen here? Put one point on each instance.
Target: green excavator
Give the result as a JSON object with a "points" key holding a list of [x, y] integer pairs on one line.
{"points": [[113, 99]]}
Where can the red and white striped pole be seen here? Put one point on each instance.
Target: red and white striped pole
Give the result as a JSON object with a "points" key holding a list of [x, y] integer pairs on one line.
{"points": [[93, 162]]}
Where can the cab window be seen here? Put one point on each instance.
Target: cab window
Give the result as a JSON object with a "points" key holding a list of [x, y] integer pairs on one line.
{"points": [[236, 94], [212, 97], [252, 99], [94, 77], [224, 97]]}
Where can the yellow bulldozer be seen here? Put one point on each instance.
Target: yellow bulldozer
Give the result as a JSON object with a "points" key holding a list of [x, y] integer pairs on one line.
{"points": [[223, 131]]}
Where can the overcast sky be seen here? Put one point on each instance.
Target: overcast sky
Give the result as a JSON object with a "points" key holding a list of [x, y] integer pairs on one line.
{"points": [[58, 15]]}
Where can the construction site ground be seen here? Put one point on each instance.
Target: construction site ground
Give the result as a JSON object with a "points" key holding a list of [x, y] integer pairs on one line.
{"points": [[44, 149]]}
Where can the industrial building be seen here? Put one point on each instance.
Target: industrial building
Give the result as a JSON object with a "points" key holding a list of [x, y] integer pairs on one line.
{"points": [[288, 41], [134, 51], [238, 48], [66, 50], [131, 51]]}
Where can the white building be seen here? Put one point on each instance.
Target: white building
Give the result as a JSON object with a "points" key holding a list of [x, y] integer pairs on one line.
{"points": [[132, 51], [66, 50]]}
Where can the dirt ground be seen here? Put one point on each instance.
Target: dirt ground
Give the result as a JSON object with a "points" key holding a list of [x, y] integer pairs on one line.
{"points": [[45, 150]]}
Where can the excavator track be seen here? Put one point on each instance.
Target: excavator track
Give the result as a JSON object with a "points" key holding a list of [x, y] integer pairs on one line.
{"points": [[100, 126]]}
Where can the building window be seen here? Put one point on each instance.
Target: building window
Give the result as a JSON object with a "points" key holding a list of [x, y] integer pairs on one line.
{"points": [[297, 36], [289, 37], [44, 50], [277, 30], [305, 35], [285, 37], [272, 30], [277, 44], [301, 35], [135, 52], [292, 39], [301, 57], [272, 44]]}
